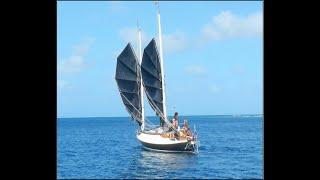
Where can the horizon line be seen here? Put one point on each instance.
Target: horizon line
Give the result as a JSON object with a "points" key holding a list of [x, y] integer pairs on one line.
{"points": [[156, 116]]}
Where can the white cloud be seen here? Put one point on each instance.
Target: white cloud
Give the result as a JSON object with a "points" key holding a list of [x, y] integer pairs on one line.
{"points": [[83, 48], [227, 25], [76, 61], [195, 69], [73, 64], [210, 34], [173, 42], [214, 89]]}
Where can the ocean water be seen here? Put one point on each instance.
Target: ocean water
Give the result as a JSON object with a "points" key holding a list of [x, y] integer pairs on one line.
{"points": [[101, 148]]}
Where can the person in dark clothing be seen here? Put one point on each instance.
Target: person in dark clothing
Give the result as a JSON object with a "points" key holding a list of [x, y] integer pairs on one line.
{"points": [[176, 120], [176, 116]]}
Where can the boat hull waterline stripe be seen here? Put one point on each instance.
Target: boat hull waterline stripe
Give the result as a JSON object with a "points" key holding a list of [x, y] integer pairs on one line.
{"points": [[167, 151], [168, 147]]}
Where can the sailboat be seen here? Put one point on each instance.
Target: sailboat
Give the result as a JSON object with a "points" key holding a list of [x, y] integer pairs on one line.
{"points": [[145, 74]]}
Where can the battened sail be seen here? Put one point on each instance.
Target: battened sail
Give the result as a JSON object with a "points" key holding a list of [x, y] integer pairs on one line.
{"points": [[151, 77], [128, 79]]}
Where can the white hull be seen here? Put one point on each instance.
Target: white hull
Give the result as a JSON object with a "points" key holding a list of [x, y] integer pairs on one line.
{"points": [[154, 141]]}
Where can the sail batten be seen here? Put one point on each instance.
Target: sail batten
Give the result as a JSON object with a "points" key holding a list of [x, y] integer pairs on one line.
{"points": [[128, 79], [150, 67], [126, 72], [151, 56], [152, 74], [123, 79], [128, 66]]}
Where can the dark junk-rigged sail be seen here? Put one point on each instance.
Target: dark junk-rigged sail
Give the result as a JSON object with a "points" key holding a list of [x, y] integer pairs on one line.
{"points": [[128, 76], [128, 80], [152, 79]]}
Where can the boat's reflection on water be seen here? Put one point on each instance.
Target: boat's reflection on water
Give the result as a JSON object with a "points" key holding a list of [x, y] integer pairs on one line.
{"points": [[146, 164], [161, 162]]}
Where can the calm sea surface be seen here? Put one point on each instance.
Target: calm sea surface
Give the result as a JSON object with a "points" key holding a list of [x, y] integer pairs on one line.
{"points": [[231, 147]]}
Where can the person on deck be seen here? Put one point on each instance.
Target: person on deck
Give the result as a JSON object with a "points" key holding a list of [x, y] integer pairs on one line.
{"points": [[175, 120], [186, 128], [175, 124]]}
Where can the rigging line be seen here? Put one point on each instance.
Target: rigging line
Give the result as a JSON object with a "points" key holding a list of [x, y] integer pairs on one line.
{"points": [[152, 103], [139, 78], [151, 124], [159, 112], [156, 108], [148, 122], [135, 117]]}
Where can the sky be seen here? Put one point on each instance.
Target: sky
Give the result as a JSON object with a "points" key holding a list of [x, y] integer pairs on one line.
{"points": [[212, 53]]}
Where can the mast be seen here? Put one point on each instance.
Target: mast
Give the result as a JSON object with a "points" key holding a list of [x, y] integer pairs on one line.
{"points": [[141, 86], [161, 63]]}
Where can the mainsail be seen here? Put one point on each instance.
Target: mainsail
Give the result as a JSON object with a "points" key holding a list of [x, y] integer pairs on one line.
{"points": [[151, 77], [128, 79]]}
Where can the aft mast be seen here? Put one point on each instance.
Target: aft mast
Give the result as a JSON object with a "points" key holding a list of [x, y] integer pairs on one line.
{"points": [[141, 86], [161, 62]]}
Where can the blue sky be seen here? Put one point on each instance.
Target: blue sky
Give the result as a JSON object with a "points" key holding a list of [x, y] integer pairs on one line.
{"points": [[213, 55]]}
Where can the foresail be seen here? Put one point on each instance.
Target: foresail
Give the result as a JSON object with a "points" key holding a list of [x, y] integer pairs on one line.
{"points": [[128, 79], [151, 77]]}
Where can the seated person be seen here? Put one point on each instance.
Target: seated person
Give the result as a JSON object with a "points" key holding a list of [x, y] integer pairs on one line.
{"points": [[186, 128], [176, 125]]}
